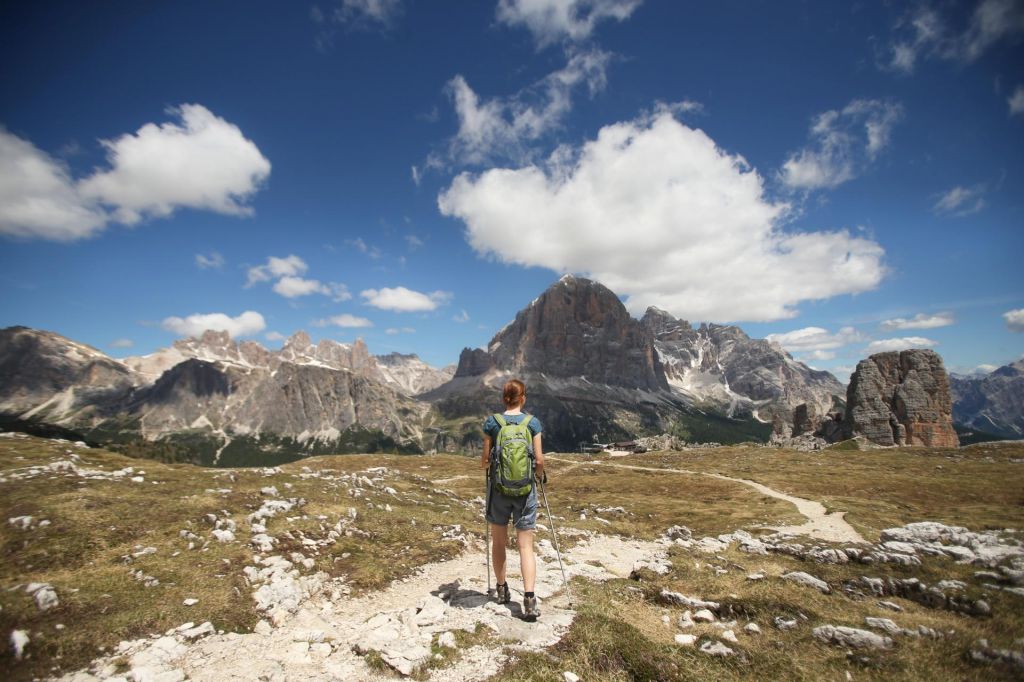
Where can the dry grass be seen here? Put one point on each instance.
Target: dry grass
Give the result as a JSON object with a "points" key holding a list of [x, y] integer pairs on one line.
{"points": [[94, 524], [619, 635]]}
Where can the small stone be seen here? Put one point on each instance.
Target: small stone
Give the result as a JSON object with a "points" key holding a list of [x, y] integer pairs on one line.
{"points": [[756, 576], [19, 640], [892, 606], [191, 601], [263, 628], [686, 640], [752, 628], [570, 677], [447, 640], [729, 636], [785, 623], [808, 580], [716, 649], [704, 616], [851, 637]]}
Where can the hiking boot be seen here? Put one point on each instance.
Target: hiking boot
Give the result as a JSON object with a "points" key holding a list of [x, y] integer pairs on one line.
{"points": [[530, 610], [503, 594]]}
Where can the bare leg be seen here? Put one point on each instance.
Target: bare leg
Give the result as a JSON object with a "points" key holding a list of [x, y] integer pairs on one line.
{"points": [[499, 538], [527, 560]]}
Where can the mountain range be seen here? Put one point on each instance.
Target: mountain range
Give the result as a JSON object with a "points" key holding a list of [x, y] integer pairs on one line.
{"points": [[592, 371]]}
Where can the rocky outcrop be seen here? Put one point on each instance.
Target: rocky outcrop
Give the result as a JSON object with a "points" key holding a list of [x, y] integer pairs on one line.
{"points": [[993, 403], [721, 367], [901, 398]]}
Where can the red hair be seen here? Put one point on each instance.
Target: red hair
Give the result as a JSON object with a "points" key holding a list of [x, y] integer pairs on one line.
{"points": [[514, 392]]}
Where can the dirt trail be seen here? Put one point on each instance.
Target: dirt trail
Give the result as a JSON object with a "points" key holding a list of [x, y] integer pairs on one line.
{"points": [[820, 524], [319, 641]]}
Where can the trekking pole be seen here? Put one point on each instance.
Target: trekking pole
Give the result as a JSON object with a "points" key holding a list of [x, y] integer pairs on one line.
{"points": [[554, 534], [487, 529]]}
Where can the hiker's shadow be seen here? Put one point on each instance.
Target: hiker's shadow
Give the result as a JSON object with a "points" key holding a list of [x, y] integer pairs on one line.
{"points": [[462, 598]]}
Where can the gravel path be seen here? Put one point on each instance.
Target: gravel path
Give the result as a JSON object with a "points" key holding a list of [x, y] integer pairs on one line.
{"points": [[821, 524]]}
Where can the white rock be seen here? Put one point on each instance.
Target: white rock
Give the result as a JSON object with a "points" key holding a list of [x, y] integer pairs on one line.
{"points": [[137, 479], [729, 636], [198, 631], [431, 610], [263, 628], [808, 580], [570, 677], [22, 522], [447, 640], [852, 637], [45, 595], [270, 491], [691, 602], [756, 576], [191, 601], [686, 640], [704, 616], [716, 649], [224, 535], [752, 628], [19, 640], [785, 624]]}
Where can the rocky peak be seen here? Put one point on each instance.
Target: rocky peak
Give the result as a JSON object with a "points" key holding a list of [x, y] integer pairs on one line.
{"points": [[576, 328], [992, 403], [901, 398], [298, 341]]}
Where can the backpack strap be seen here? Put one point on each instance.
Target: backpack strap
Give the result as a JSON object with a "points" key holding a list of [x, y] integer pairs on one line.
{"points": [[501, 420]]}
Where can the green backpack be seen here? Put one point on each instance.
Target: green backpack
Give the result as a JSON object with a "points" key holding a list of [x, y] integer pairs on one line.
{"points": [[513, 457]]}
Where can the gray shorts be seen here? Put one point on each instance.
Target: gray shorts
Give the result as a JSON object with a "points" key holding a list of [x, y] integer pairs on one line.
{"points": [[522, 510]]}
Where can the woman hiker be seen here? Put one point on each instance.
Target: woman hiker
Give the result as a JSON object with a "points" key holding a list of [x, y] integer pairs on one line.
{"points": [[522, 509]]}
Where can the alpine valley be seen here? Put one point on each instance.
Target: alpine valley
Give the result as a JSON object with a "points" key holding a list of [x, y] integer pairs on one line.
{"points": [[593, 372]]}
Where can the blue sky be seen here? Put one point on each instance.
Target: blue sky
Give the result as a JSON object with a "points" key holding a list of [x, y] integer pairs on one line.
{"points": [[844, 177]]}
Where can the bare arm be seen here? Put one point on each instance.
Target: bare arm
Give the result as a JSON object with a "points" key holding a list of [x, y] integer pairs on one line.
{"points": [[538, 452], [485, 458]]}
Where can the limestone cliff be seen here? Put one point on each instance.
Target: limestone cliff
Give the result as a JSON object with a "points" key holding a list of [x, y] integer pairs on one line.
{"points": [[901, 398]]}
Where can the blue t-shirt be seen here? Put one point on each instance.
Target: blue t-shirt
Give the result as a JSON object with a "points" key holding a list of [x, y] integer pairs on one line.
{"points": [[491, 426]]}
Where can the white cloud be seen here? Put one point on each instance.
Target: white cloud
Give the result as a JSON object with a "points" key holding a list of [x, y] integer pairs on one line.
{"points": [[819, 355], [289, 266], [399, 330], [402, 300], [961, 201], [815, 339], [246, 324], [416, 177], [287, 271], [843, 144], [552, 20], [213, 260], [655, 210], [903, 343], [122, 343], [1016, 101], [463, 316], [1014, 320], [203, 163], [919, 321], [506, 127], [38, 198], [343, 320], [361, 246], [925, 33], [368, 12], [274, 336], [413, 241], [842, 370], [293, 287]]}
